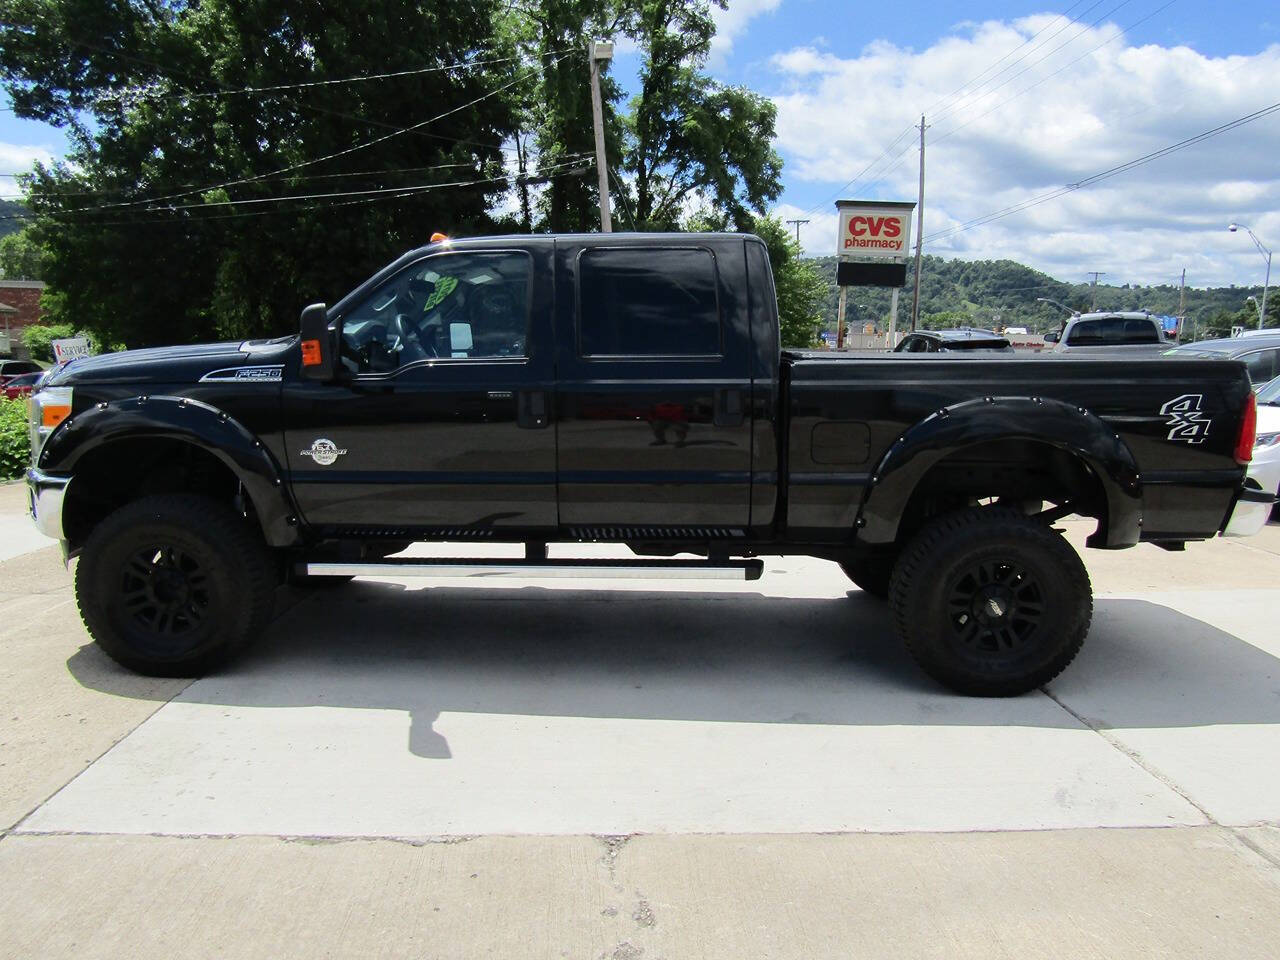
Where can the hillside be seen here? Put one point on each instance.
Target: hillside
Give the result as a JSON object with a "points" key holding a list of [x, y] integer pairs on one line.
{"points": [[990, 292], [8, 209]]}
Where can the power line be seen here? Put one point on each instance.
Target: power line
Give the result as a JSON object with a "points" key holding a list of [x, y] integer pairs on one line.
{"points": [[944, 108], [169, 72], [1106, 174], [954, 108], [1044, 79], [392, 193], [305, 163], [312, 176], [234, 91]]}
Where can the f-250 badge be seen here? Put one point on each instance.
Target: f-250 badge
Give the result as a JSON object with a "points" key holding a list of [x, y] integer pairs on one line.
{"points": [[324, 452], [1186, 419]]}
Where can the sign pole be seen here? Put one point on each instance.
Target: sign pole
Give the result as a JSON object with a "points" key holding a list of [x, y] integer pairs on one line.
{"points": [[893, 319], [844, 299]]}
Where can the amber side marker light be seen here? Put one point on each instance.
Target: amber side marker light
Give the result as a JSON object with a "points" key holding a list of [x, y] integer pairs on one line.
{"points": [[53, 414], [438, 238], [311, 356], [1248, 430]]}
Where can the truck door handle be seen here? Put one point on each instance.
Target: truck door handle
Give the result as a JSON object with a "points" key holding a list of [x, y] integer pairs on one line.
{"points": [[729, 407], [531, 409]]}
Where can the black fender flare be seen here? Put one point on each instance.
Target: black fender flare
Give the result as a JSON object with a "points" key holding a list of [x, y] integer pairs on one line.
{"points": [[1053, 422], [191, 421]]}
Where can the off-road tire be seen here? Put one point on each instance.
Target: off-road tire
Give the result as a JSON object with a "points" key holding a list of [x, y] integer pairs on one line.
{"points": [[870, 576], [174, 585], [990, 602]]}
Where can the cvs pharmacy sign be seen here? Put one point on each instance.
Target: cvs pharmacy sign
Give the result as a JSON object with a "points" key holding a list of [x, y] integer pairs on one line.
{"points": [[873, 230]]}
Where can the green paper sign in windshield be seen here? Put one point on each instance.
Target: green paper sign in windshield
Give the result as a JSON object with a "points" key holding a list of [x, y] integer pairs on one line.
{"points": [[444, 287]]}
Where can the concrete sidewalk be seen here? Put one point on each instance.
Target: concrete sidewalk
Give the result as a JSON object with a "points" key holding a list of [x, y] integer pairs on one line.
{"points": [[657, 771]]}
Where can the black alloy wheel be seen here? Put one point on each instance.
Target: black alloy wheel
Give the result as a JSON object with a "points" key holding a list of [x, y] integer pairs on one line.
{"points": [[991, 602], [174, 585], [995, 606], [165, 590]]}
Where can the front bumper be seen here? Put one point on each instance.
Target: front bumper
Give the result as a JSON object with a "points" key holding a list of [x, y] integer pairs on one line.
{"points": [[46, 495], [1253, 508]]}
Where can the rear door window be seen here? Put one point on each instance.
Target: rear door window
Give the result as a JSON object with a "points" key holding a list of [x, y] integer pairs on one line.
{"points": [[648, 302]]}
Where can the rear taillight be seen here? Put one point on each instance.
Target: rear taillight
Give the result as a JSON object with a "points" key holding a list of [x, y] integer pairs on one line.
{"points": [[1248, 429]]}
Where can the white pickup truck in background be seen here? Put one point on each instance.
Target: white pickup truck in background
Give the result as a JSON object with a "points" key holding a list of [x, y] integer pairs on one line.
{"points": [[1131, 333]]}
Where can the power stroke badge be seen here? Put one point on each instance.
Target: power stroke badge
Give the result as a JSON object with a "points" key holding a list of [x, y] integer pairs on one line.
{"points": [[324, 452], [1186, 418]]}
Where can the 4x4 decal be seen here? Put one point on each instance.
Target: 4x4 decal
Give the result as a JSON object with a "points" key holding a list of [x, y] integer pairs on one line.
{"points": [[1186, 418]]}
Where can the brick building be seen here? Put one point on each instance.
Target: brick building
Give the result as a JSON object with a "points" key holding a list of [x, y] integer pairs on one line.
{"points": [[23, 297]]}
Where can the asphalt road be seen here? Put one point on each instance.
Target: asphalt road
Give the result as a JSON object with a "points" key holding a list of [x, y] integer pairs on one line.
{"points": [[659, 770]]}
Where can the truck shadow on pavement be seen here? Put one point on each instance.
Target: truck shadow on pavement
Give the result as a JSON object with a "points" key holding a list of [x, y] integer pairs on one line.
{"points": [[722, 657]]}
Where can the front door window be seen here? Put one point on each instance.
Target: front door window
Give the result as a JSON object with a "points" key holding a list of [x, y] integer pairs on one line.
{"points": [[454, 306]]}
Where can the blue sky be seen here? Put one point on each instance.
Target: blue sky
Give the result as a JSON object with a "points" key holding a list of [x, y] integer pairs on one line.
{"points": [[1023, 98]]}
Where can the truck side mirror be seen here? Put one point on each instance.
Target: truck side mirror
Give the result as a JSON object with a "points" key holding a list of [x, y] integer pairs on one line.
{"points": [[1052, 337], [318, 362]]}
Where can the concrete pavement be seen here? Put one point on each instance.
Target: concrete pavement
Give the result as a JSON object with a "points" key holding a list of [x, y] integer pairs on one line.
{"points": [[651, 771]]}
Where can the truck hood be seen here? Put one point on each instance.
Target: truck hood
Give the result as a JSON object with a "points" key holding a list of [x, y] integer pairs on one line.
{"points": [[182, 364]]}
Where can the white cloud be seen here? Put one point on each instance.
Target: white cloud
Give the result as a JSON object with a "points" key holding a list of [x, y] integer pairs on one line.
{"points": [[18, 157], [732, 23], [1033, 121]]}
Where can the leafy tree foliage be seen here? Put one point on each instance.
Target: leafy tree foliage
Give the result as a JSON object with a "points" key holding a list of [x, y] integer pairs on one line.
{"points": [[801, 288], [683, 142], [143, 246], [689, 139], [21, 258]]}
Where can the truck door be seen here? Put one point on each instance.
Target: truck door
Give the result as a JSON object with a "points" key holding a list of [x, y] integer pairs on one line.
{"points": [[442, 419], [654, 387]]}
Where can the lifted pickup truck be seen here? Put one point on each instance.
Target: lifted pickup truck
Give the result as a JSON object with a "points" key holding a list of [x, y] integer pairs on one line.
{"points": [[626, 389]]}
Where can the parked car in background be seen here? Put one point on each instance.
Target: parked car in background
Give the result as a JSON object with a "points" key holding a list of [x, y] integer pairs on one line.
{"points": [[16, 368], [1266, 444], [22, 386], [1099, 333], [961, 340], [1260, 353]]}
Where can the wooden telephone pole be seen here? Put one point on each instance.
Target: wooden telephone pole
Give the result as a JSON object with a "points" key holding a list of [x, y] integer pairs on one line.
{"points": [[597, 51], [915, 294]]}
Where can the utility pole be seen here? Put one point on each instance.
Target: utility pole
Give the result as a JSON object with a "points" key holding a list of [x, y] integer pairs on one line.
{"points": [[597, 51], [1182, 302], [797, 224], [915, 296], [1095, 274]]}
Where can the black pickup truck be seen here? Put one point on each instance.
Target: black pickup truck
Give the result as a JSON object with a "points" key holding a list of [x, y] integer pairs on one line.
{"points": [[626, 389]]}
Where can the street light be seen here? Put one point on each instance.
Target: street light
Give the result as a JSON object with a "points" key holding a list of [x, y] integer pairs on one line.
{"points": [[1074, 313], [1266, 255]]}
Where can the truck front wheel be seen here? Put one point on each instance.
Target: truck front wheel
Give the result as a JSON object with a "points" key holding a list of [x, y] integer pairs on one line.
{"points": [[174, 585], [990, 602]]}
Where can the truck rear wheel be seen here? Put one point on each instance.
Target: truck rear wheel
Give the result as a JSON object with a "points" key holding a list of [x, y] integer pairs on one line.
{"points": [[990, 602], [174, 585], [870, 576]]}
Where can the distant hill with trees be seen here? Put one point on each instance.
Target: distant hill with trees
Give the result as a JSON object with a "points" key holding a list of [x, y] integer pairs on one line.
{"points": [[987, 293], [9, 212]]}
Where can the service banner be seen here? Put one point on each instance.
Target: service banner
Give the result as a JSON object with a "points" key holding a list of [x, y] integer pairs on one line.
{"points": [[71, 348], [870, 231]]}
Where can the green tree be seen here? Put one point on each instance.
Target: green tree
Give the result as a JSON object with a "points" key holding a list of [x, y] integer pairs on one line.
{"points": [[143, 245], [21, 257], [554, 116], [688, 138], [38, 338], [800, 285]]}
